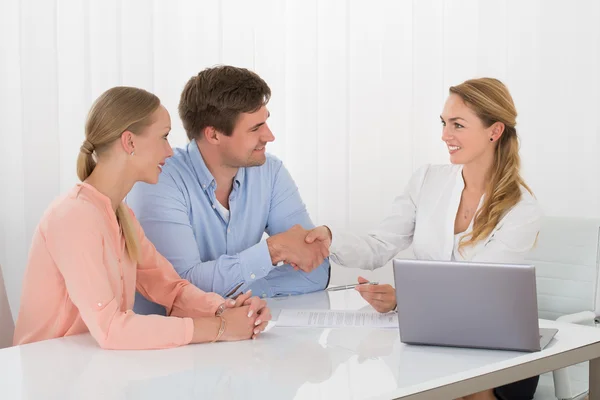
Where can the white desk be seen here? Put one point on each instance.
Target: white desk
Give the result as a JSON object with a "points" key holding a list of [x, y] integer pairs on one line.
{"points": [[284, 363]]}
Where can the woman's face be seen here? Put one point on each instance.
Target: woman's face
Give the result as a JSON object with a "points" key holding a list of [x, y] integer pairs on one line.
{"points": [[464, 133], [151, 147]]}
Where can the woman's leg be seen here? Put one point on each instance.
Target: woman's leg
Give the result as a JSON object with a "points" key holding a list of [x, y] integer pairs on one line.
{"points": [[521, 390]]}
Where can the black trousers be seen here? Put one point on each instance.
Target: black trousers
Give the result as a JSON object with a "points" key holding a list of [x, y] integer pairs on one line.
{"points": [[521, 390]]}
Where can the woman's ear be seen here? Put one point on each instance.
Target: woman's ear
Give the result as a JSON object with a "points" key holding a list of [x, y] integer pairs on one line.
{"points": [[127, 144], [497, 129]]}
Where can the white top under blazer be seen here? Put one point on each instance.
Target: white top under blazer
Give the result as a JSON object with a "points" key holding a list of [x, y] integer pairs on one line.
{"points": [[424, 217]]}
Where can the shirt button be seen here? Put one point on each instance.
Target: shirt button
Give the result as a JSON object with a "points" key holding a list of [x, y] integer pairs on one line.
{"points": [[214, 206], [228, 230], [252, 276], [203, 186]]}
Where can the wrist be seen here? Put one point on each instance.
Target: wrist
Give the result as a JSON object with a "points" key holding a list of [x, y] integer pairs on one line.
{"points": [[274, 249], [329, 233], [222, 326], [206, 329]]}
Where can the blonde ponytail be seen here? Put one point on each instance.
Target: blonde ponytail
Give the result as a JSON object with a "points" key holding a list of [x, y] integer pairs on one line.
{"points": [[117, 110], [129, 232], [85, 161]]}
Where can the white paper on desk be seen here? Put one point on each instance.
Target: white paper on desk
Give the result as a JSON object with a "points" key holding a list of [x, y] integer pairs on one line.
{"points": [[337, 319]]}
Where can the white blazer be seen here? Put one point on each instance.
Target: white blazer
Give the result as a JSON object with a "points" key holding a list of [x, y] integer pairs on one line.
{"points": [[424, 217]]}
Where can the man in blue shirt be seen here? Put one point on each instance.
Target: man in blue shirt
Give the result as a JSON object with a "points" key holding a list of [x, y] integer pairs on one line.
{"points": [[217, 196]]}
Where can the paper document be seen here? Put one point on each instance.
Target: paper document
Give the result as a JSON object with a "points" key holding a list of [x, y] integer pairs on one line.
{"points": [[337, 319]]}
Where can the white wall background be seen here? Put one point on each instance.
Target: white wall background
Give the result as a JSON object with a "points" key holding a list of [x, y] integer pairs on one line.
{"points": [[357, 90]]}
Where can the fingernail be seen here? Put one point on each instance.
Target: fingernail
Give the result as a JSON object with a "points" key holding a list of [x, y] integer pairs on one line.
{"points": [[250, 313], [232, 302], [258, 321], [256, 331], [249, 291]]}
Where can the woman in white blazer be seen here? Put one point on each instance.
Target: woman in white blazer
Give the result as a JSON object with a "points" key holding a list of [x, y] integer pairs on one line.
{"points": [[478, 209]]}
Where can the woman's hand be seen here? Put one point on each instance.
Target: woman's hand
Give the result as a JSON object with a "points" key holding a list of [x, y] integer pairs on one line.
{"points": [[259, 308], [381, 297], [257, 311], [238, 326], [321, 233]]}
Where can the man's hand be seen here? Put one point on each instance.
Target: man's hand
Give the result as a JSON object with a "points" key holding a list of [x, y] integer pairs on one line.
{"points": [[291, 247]]}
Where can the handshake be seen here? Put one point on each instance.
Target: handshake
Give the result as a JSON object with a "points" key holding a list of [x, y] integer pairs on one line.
{"points": [[302, 249]]}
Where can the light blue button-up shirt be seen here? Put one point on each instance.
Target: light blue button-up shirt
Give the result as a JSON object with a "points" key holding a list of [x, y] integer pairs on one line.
{"points": [[181, 216]]}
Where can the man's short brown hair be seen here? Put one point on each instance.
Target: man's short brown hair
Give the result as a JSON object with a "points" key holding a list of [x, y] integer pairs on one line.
{"points": [[217, 96]]}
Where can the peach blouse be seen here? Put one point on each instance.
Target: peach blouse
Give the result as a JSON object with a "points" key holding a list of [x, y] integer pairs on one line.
{"points": [[79, 278]]}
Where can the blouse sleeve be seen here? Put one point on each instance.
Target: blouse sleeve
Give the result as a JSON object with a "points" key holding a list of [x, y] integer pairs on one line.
{"points": [[158, 281]]}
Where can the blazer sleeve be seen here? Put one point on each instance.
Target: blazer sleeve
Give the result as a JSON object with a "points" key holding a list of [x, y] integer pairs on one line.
{"points": [[515, 235], [392, 235]]}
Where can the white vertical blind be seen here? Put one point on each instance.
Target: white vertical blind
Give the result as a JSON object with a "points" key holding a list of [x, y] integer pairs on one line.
{"points": [[357, 90]]}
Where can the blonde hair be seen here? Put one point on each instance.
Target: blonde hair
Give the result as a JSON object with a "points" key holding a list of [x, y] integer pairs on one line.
{"points": [[490, 100], [117, 110]]}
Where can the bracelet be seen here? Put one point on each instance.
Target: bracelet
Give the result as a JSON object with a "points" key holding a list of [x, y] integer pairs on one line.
{"points": [[221, 329], [220, 310]]}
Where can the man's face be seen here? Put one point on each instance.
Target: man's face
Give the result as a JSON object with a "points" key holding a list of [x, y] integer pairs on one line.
{"points": [[245, 147]]}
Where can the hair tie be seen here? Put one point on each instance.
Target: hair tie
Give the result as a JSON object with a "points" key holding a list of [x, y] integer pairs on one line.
{"points": [[87, 147]]}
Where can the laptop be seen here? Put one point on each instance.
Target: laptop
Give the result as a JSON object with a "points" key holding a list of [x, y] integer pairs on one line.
{"points": [[469, 304]]}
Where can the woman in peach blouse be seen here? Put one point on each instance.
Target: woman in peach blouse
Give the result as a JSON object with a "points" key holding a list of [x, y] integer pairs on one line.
{"points": [[89, 254]]}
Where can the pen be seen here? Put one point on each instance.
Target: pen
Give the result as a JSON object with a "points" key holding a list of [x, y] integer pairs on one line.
{"points": [[345, 287]]}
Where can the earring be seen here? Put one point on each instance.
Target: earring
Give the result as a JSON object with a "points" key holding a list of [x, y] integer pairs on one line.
{"points": [[491, 140], [132, 153]]}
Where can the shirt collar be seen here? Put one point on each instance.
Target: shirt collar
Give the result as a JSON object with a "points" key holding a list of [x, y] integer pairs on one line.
{"points": [[202, 172], [99, 199], [239, 177], [460, 182]]}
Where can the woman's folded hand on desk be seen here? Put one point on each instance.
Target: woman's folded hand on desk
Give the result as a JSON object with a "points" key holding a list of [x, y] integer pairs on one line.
{"points": [[243, 318]]}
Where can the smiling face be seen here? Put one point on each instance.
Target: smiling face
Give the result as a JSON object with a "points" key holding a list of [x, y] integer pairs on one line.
{"points": [[246, 145], [151, 147], [467, 138]]}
